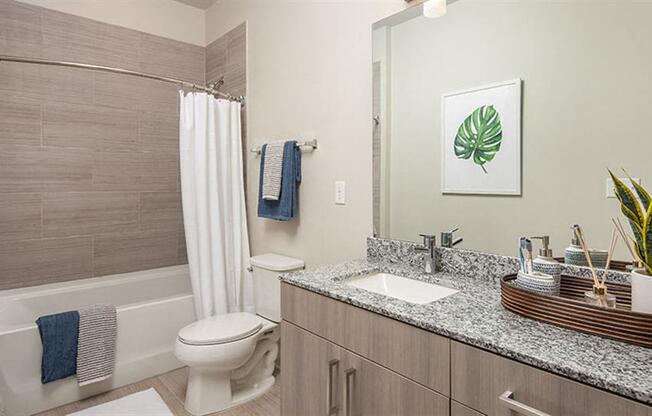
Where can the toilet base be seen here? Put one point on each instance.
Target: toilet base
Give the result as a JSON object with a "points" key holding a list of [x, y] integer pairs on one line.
{"points": [[210, 392], [253, 392]]}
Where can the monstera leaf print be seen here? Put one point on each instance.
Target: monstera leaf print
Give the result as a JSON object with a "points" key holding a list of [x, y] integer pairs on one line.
{"points": [[480, 136]]}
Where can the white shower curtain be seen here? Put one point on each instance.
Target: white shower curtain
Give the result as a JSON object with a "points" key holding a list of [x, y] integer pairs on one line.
{"points": [[212, 189]]}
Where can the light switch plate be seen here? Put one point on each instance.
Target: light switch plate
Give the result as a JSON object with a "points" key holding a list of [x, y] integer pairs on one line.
{"points": [[611, 192], [340, 193]]}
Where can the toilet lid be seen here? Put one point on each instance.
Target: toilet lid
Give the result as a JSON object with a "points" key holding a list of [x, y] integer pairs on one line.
{"points": [[221, 329]]}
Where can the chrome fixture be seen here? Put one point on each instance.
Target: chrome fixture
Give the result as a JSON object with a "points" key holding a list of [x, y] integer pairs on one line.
{"points": [[308, 143], [447, 239], [122, 71], [216, 85], [430, 247]]}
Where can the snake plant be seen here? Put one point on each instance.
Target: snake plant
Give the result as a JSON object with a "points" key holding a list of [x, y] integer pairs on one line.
{"points": [[637, 207], [480, 136]]}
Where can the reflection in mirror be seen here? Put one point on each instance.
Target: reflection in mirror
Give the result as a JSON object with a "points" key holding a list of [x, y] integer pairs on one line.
{"points": [[501, 118]]}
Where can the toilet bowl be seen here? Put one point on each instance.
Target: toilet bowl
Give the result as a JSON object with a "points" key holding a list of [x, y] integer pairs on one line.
{"points": [[229, 360], [232, 357]]}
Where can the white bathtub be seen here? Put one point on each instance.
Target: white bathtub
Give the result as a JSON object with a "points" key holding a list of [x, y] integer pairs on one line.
{"points": [[152, 306]]}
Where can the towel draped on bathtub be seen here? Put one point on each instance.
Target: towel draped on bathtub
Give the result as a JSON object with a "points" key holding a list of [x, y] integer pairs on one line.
{"points": [[59, 339], [97, 337], [79, 342]]}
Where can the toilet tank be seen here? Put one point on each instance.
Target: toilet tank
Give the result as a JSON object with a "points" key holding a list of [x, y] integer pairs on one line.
{"points": [[267, 287]]}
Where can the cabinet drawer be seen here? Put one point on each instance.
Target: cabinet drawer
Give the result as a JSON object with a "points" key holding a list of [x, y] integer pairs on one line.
{"points": [[479, 378], [412, 352], [321, 378]]}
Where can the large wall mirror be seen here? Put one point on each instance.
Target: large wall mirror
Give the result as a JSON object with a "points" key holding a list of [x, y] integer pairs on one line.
{"points": [[502, 118]]}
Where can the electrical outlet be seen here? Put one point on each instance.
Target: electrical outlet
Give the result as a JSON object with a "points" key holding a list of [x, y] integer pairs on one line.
{"points": [[340, 193], [611, 191]]}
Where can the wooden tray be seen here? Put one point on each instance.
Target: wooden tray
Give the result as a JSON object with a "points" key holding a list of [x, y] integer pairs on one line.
{"points": [[570, 311]]}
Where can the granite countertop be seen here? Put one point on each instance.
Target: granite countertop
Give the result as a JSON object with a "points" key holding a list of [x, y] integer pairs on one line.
{"points": [[475, 316]]}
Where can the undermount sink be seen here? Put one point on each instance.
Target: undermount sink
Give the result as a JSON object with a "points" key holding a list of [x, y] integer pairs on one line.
{"points": [[409, 290]]}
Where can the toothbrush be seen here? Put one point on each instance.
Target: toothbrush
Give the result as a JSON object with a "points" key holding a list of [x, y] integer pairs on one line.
{"points": [[528, 247], [521, 258]]}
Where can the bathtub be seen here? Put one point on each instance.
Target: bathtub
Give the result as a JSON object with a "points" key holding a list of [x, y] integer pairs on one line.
{"points": [[152, 306]]}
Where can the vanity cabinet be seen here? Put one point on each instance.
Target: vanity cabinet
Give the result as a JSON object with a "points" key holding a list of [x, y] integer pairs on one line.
{"points": [[340, 360], [412, 352], [483, 381], [320, 378]]}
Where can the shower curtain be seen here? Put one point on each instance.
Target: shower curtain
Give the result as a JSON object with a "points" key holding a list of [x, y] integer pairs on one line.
{"points": [[212, 192]]}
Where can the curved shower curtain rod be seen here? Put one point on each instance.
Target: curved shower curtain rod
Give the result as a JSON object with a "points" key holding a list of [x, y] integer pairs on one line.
{"points": [[122, 71]]}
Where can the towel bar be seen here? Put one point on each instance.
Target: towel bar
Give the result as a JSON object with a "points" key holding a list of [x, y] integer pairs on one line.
{"points": [[308, 143]]}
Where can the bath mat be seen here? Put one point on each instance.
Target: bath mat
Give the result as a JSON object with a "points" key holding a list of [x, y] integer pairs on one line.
{"points": [[143, 403]]}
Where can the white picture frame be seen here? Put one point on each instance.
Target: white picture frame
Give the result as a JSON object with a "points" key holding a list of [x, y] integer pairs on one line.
{"points": [[502, 174]]}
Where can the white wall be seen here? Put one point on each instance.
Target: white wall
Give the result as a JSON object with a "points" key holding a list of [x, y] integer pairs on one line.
{"points": [[166, 18], [309, 75]]}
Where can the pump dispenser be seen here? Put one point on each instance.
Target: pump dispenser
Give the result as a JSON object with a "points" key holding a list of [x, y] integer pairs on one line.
{"points": [[545, 262], [574, 255]]}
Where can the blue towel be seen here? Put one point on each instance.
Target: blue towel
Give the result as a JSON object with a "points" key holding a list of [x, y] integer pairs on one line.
{"points": [[287, 206], [59, 333]]}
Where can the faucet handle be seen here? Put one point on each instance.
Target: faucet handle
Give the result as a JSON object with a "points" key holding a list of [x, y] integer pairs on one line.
{"points": [[447, 238], [429, 239]]}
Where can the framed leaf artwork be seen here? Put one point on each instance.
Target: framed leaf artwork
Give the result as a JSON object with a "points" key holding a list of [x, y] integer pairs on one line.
{"points": [[481, 140]]}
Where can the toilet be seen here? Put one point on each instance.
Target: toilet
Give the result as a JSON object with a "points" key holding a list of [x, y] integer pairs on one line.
{"points": [[232, 357]]}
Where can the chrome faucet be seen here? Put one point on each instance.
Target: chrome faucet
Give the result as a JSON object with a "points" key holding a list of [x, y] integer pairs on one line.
{"points": [[430, 247], [447, 239]]}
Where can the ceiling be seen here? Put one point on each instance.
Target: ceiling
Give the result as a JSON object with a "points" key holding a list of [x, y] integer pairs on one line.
{"points": [[200, 4]]}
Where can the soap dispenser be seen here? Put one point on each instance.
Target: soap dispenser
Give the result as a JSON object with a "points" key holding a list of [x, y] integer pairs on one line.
{"points": [[574, 255], [545, 262]]}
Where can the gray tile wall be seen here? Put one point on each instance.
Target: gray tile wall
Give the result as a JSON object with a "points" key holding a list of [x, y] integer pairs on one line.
{"points": [[227, 56], [89, 161]]}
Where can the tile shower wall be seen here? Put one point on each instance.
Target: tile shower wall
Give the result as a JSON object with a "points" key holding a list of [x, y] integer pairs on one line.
{"points": [[227, 56], [89, 181]]}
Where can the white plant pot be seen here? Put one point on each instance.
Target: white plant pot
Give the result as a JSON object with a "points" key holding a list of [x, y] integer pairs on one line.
{"points": [[641, 291]]}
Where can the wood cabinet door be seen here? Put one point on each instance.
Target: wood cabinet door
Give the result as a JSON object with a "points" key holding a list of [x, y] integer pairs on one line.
{"points": [[310, 375], [354, 387], [371, 390]]}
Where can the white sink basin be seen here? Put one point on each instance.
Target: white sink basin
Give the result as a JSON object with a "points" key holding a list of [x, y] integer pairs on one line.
{"points": [[409, 290]]}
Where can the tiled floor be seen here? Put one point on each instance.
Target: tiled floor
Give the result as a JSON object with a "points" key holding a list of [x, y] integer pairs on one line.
{"points": [[172, 388]]}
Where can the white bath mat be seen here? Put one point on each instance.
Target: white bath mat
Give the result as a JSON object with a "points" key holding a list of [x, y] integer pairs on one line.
{"points": [[143, 403]]}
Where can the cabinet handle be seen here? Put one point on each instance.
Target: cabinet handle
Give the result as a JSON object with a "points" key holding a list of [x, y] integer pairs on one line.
{"points": [[349, 376], [331, 409], [507, 399]]}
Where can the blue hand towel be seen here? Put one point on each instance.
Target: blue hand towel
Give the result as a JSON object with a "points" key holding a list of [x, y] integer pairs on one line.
{"points": [[287, 206], [59, 333]]}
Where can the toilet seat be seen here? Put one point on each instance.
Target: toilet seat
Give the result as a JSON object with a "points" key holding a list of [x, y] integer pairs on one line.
{"points": [[221, 329]]}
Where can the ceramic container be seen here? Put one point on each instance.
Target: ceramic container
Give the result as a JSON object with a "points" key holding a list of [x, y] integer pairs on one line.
{"points": [[641, 291], [551, 267], [536, 282], [575, 256]]}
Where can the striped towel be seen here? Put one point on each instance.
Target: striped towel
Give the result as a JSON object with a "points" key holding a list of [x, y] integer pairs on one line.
{"points": [[273, 171], [96, 345]]}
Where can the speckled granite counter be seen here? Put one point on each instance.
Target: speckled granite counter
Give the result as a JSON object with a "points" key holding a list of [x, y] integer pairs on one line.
{"points": [[475, 316]]}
